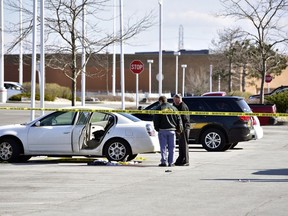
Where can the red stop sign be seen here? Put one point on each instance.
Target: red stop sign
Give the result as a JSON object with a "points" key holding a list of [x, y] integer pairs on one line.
{"points": [[136, 66], [268, 78]]}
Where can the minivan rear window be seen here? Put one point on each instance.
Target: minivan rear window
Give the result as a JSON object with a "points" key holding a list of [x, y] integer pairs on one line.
{"points": [[244, 106]]}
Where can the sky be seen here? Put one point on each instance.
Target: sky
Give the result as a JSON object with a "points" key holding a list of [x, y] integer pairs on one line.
{"points": [[200, 25]]}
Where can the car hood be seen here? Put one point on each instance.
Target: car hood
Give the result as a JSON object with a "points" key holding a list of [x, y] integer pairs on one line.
{"points": [[12, 126]]}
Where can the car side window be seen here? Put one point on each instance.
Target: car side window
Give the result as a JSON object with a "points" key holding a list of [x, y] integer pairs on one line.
{"points": [[11, 86], [220, 106], [196, 105], [97, 117], [58, 118], [101, 119], [83, 118]]}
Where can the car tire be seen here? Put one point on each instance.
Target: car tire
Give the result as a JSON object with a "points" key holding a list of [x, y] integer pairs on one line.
{"points": [[213, 140], [117, 150], [230, 146], [233, 145], [23, 158], [9, 150], [132, 157]]}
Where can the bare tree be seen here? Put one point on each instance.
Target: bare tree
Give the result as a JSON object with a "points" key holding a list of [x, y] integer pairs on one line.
{"points": [[242, 58], [269, 19], [197, 80], [225, 54], [64, 33], [274, 65]]}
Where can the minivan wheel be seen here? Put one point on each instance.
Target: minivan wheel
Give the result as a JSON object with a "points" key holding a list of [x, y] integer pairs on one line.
{"points": [[213, 140]]}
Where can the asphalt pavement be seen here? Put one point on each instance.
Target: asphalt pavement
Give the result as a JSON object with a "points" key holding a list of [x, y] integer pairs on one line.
{"points": [[249, 180]]}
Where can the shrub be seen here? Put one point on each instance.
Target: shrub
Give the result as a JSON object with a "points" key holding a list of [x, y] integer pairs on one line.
{"points": [[16, 97], [52, 90], [281, 101]]}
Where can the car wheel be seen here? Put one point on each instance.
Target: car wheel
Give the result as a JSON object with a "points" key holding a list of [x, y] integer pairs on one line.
{"points": [[131, 157], [213, 140], [9, 150], [117, 150]]}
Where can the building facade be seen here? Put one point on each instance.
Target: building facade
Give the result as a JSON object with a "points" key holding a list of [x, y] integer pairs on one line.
{"points": [[99, 74]]}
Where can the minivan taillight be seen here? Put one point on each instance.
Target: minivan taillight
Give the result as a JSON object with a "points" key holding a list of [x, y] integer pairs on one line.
{"points": [[245, 118]]}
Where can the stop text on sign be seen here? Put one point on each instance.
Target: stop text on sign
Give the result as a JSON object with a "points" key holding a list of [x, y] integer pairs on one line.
{"points": [[136, 66]]}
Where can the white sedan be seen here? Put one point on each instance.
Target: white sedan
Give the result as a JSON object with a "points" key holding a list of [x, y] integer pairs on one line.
{"points": [[13, 88], [84, 132]]}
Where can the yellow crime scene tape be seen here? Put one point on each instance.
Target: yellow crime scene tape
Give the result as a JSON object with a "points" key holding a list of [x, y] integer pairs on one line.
{"points": [[150, 112]]}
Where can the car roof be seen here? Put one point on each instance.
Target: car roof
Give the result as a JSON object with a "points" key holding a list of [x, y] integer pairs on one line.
{"points": [[271, 92], [87, 108], [216, 93], [213, 97], [11, 82]]}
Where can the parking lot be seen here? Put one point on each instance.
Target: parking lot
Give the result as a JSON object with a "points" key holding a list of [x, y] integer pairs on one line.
{"points": [[249, 180]]}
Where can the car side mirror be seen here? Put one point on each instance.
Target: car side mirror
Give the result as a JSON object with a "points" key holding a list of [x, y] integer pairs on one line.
{"points": [[140, 107], [38, 124]]}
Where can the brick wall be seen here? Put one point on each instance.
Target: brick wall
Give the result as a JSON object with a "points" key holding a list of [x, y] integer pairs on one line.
{"points": [[99, 74]]}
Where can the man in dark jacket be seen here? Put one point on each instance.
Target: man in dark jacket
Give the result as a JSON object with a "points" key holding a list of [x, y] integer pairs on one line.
{"points": [[183, 158], [166, 125]]}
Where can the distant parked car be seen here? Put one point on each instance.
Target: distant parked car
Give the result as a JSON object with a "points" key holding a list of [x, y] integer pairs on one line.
{"points": [[13, 88], [80, 132], [265, 108], [275, 91]]}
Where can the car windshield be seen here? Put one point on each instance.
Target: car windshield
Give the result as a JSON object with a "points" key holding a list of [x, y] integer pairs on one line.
{"points": [[131, 117], [152, 106]]}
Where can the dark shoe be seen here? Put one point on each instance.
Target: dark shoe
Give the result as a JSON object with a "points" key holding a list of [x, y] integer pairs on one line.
{"points": [[162, 165], [178, 162], [182, 164], [171, 165]]}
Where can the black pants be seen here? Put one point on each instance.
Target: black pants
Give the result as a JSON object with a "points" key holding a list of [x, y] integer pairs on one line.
{"points": [[183, 157]]}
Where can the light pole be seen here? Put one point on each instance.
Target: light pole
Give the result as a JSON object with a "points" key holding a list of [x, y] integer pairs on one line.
{"points": [[177, 54], [42, 57], [34, 55], [184, 66], [210, 80], [150, 61], [114, 51], [3, 90], [160, 46], [122, 69], [83, 56]]}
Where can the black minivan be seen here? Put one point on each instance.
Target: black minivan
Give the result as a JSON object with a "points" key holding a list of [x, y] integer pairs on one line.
{"points": [[215, 133]]}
